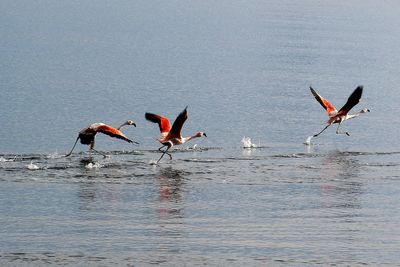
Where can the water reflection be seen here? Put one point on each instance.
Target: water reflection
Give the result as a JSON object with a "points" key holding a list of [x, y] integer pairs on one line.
{"points": [[309, 149], [86, 195], [342, 186], [169, 209], [340, 201], [170, 182], [248, 152], [341, 192]]}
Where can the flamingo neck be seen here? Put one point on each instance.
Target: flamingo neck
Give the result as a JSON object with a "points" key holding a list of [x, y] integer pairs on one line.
{"points": [[122, 125], [348, 117], [176, 141], [187, 139], [356, 114]]}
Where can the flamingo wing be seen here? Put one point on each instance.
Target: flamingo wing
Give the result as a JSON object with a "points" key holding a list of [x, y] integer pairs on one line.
{"points": [[324, 103], [176, 130], [353, 100], [113, 132], [163, 122]]}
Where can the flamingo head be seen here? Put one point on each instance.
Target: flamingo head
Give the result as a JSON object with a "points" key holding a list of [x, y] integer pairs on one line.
{"points": [[201, 134], [130, 122]]}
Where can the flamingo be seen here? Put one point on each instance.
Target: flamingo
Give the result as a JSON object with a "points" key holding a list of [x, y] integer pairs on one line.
{"points": [[341, 115], [88, 134], [171, 136]]}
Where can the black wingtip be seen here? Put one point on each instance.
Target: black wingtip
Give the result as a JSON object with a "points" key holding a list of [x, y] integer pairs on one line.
{"points": [[132, 141], [314, 93], [149, 116], [358, 91]]}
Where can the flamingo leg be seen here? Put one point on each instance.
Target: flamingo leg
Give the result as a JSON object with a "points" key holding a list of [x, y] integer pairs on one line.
{"points": [[92, 148], [72, 147], [169, 154], [315, 135], [338, 132], [165, 152], [101, 153]]}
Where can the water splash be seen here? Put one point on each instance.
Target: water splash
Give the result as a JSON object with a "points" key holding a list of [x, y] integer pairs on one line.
{"points": [[246, 143], [32, 166], [308, 140], [193, 147], [2, 159], [55, 155], [92, 165]]}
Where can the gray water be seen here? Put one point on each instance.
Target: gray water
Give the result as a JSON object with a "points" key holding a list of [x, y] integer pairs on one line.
{"points": [[243, 68]]}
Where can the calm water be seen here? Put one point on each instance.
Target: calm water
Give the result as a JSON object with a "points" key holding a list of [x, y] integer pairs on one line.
{"points": [[243, 68]]}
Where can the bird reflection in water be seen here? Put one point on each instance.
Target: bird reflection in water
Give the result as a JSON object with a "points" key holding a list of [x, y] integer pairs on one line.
{"points": [[170, 182], [86, 195], [342, 185], [170, 209]]}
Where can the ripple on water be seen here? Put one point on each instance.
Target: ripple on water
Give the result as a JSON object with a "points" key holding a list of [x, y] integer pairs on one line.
{"points": [[252, 203]]}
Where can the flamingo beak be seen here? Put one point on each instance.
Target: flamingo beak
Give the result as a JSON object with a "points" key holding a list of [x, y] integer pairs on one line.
{"points": [[205, 134]]}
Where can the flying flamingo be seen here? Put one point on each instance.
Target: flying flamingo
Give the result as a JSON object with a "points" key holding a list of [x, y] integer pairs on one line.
{"points": [[171, 136], [88, 134], [341, 115]]}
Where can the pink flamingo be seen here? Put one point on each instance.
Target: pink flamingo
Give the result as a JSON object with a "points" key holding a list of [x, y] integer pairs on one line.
{"points": [[341, 115], [171, 136], [88, 134]]}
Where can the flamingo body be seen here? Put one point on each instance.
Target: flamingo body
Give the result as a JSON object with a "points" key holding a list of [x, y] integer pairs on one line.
{"points": [[88, 134], [341, 115], [171, 135]]}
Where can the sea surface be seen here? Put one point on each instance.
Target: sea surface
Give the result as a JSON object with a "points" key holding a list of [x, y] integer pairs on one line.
{"points": [[244, 69]]}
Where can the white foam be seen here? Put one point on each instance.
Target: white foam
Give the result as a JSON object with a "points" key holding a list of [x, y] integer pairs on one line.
{"points": [[54, 155], [2, 159], [32, 166], [308, 140], [95, 165], [246, 143]]}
